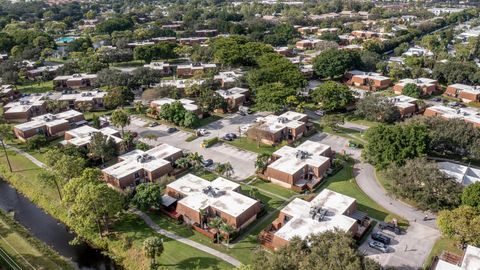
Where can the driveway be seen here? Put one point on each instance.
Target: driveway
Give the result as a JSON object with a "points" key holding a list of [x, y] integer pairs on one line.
{"points": [[407, 251], [243, 162]]}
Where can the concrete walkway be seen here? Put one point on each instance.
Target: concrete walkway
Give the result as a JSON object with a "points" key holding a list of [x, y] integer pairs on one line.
{"points": [[27, 155], [367, 181], [186, 241]]}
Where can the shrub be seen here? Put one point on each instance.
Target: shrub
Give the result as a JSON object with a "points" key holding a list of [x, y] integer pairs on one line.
{"points": [[209, 142], [36, 142]]}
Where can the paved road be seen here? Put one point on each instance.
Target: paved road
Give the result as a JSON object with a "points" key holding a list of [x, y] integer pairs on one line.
{"points": [[186, 241], [243, 162]]}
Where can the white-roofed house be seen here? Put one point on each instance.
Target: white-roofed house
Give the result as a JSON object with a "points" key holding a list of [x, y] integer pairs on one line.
{"points": [[218, 198], [85, 100], [469, 115], [405, 104], [193, 69], [464, 92], [371, 81], [301, 167], [234, 97], [228, 78], [188, 104], [162, 67], [328, 211], [469, 261], [427, 85], [75, 81], [49, 125], [273, 129], [139, 166], [82, 136], [25, 108]]}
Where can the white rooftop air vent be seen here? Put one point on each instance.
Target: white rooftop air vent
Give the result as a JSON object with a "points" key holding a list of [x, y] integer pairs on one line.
{"points": [[282, 120], [301, 154]]}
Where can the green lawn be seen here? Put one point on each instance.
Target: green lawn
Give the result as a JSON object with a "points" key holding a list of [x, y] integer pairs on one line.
{"points": [[25, 250], [207, 120], [252, 146], [281, 191], [35, 87], [344, 182], [442, 244], [175, 256]]}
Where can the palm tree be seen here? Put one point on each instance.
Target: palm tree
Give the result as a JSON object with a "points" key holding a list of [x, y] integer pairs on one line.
{"points": [[262, 162], [220, 168], [153, 247], [6, 134], [216, 223], [228, 230], [196, 159], [228, 169], [253, 192], [182, 162]]}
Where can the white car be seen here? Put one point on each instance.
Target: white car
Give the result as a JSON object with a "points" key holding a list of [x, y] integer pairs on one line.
{"points": [[259, 119]]}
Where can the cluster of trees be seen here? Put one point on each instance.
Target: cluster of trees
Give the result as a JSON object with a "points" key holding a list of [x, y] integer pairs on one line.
{"points": [[377, 108], [334, 62], [237, 51], [328, 250], [463, 223], [421, 181], [333, 96], [148, 53], [177, 114]]}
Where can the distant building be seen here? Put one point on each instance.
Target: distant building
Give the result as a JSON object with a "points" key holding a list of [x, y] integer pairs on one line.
{"points": [[428, 86], [273, 129], [49, 125], [234, 97], [299, 168], [139, 166], [84, 101], [194, 69], [464, 92], [418, 51], [329, 210], [75, 81], [228, 78], [25, 108], [188, 104], [371, 81], [47, 71], [162, 67], [7, 93], [198, 201], [466, 114], [442, 11], [406, 105], [307, 44]]}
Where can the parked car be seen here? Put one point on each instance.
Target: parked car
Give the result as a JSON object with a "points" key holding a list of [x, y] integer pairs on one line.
{"points": [[436, 99], [153, 124], [207, 162], [172, 130], [259, 119], [201, 132], [227, 138], [378, 246], [242, 113], [232, 135], [320, 112], [381, 238], [390, 226]]}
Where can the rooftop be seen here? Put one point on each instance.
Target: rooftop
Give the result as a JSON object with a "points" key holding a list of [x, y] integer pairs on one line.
{"points": [[368, 75], [421, 82], [25, 103], [48, 120], [83, 96], [470, 261], [219, 194], [464, 175], [466, 88], [329, 208], [234, 92], [75, 77], [293, 160], [228, 76], [188, 104], [83, 135], [466, 114], [274, 123]]}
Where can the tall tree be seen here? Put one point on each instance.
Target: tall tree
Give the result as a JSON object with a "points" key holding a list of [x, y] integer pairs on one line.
{"points": [[377, 108], [103, 147], [471, 195], [461, 224], [120, 118], [333, 96], [153, 247], [333, 62], [147, 196], [272, 97]]}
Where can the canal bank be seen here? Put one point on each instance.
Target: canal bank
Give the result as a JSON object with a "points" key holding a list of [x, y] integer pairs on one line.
{"points": [[50, 231]]}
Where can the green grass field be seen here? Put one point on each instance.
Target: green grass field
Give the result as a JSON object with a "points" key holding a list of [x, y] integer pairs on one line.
{"points": [[252, 146], [35, 87], [442, 244]]}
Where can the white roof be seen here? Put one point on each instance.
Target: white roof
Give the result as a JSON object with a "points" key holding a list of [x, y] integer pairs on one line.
{"points": [[137, 160], [302, 224], [48, 120], [420, 82], [274, 123], [46, 68], [228, 76], [180, 84], [75, 77], [25, 103], [293, 160], [467, 114], [224, 197], [157, 65], [417, 51], [464, 175], [234, 92], [466, 88], [83, 135], [402, 101], [197, 66], [188, 104], [368, 75], [83, 96], [470, 261]]}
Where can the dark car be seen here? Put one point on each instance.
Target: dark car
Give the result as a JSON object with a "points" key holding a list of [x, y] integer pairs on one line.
{"points": [[232, 135], [227, 138], [378, 246], [436, 99], [207, 163], [153, 124], [172, 130], [390, 226], [381, 238]]}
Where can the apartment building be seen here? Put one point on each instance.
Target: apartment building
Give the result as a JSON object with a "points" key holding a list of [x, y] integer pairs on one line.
{"points": [[49, 125], [428, 86], [466, 114], [82, 136], [198, 200], [371, 81], [7, 93], [75, 81], [418, 51], [24, 109], [39, 72], [406, 105], [329, 210], [162, 67], [139, 166], [299, 168], [469, 260], [188, 104], [273, 129], [234, 97], [191, 41], [84, 101], [228, 78], [464, 92], [307, 44], [194, 69]]}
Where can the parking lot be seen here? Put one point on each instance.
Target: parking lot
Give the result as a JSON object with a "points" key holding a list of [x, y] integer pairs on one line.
{"points": [[243, 162], [406, 251]]}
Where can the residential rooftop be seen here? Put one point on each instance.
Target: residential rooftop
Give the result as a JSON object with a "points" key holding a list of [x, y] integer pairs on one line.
{"points": [[421, 82], [83, 135], [302, 224], [465, 175], [83, 96], [188, 104], [233, 93], [48, 120], [219, 194], [368, 75], [25, 103], [274, 123], [470, 261], [467, 114]]}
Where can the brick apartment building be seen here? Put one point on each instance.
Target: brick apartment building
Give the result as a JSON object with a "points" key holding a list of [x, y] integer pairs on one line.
{"points": [[299, 168], [464, 92], [82, 136], [234, 97], [84, 101], [75, 81], [217, 198], [371, 81], [428, 86], [188, 104], [49, 125], [139, 166], [24, 109], [469, 115], [194, 69]]}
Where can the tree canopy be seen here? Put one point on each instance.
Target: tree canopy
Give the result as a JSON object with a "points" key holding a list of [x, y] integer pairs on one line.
{"points": [[471, 195], [147, 196], [333, 96], [377, 108], [461, 224], [334, 62], [272, 97], [412, 90]]}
